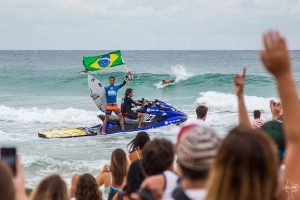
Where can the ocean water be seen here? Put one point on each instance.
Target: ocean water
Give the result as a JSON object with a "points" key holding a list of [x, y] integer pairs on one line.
{"points": [[41, 90]]}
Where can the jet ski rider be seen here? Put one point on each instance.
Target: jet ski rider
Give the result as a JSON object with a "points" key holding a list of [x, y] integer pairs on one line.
{"points": [[127, 104]]}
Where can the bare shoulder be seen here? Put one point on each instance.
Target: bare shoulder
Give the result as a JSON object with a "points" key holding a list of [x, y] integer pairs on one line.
{"points": [[133, 156], [103, 178]]}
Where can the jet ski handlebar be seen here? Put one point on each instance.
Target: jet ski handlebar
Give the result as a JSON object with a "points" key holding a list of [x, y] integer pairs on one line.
{"points": [[148, 103]]}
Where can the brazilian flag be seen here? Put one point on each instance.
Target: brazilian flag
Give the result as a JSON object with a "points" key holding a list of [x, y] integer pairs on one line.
{"points": [[105, 61]]}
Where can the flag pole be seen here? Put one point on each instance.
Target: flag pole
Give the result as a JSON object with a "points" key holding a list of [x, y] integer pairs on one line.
{"points": [[124, 64], [127, 71]]}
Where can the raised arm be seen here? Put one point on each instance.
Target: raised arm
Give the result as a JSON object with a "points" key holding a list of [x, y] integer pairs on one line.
{"points": [[127, 78], [239, 81], [103, 175], [276, 60]]}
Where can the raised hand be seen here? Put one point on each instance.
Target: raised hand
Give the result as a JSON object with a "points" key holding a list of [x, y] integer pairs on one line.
{"points": [[19, 181], [106, 168], [74, 181], [239, 81], [275, 57], [129, 77], [276, 109]]}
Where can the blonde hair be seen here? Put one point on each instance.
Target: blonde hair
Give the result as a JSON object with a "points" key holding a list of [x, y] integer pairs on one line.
{"points": [[51, 188], [245, 168], [118, 165]]}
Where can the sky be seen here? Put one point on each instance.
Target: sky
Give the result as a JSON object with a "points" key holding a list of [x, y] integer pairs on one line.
{"points": [[145, 24]]}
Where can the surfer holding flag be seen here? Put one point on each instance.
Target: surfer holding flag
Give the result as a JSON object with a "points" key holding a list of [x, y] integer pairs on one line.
{"points": [[106, 61], [111, 99]]}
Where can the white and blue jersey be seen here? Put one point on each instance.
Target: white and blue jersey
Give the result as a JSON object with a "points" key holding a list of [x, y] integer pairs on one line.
{"points": [[111, 92]]}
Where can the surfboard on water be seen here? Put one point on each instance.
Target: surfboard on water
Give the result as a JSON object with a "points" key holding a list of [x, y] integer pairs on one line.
{"points": [[97, 92], [66, 133]]}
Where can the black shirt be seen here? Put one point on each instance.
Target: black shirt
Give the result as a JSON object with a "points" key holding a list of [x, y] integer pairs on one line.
{"points": [[126, 104]]}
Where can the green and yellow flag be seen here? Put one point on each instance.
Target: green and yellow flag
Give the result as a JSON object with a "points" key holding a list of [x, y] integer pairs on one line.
{"points": [[105, 61]]}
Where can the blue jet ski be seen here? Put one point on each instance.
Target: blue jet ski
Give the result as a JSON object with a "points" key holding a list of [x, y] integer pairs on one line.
{"points": [[157, 113]]}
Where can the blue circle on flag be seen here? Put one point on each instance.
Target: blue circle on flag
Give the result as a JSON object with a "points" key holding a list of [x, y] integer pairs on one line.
{"points": [[104, 61]]}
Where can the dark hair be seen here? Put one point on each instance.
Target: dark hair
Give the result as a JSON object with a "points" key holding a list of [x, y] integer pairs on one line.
{"points": [[118, 165], [128, 91], [51, 187], [201, 111], [256, 114], [139, 141], [7, 190], [163, 80], [157, 156], [135, 178], [112, 77], [192, 174], [87, 188]]}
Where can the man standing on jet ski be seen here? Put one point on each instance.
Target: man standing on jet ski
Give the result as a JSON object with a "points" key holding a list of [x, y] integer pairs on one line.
{"points": [[126, 106], [111, 99]]}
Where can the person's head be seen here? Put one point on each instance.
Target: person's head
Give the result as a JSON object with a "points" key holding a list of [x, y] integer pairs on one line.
{"points": [[157, 156], [112, 80], [118, 165], [201, 112], [135, 178], [129, 92], [7, 190], [275, 130], [163, 81], [51, 187], [256, 114], [245, 167], [139, 141], [87, 188], [196, 151]]}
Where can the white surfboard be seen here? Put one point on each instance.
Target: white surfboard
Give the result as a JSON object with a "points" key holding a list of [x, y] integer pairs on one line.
{"points": [[97, 92]]}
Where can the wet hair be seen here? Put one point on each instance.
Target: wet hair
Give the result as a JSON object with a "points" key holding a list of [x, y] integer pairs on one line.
{"points": [[135, 178], [128, 91], [7, 190], [112, 78], [256, 114], [245, 167], [51, 187], [118, 165], [201, 111], [163, 81], [87, 188], [139, 141], [157, 156]]}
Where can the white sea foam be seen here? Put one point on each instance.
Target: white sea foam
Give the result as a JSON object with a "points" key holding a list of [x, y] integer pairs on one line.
{"points": [[45, 165], [226, 102], [52, 163], [35, 115], [179, 73]]}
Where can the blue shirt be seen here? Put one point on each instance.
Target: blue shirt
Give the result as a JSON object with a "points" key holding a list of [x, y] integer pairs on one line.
{"points": [[111, 92]]}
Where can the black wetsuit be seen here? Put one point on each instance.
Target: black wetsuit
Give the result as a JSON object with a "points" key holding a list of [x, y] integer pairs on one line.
{"points": [[126, 107]]}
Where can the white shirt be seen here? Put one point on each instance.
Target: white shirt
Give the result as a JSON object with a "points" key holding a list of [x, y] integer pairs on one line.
{"points": [[200, 123], [196, 194], [171, 183]]}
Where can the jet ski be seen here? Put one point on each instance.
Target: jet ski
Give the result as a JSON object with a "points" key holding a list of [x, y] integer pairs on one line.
{"points": [[157, 113]]}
